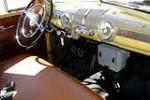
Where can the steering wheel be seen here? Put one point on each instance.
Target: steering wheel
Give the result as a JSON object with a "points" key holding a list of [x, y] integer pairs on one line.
{"points": [[33, 23]]}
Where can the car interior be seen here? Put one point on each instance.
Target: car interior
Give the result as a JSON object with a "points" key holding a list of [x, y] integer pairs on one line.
{"points": [[75, 50]]}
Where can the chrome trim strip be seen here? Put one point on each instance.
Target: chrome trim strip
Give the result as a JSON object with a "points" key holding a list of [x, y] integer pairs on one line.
{"points": [[134, 35], [85, 16]]}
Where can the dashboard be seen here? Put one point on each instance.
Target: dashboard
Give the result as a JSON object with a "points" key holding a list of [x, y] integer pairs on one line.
{"points": [[101, 22], [89, 37]]}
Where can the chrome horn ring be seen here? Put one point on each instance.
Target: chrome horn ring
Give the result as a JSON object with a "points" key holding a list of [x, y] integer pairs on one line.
{"points": [[32, 24]]}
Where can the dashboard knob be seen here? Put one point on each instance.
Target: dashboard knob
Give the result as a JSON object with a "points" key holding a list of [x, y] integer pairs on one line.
{"points": [[84, 30]]}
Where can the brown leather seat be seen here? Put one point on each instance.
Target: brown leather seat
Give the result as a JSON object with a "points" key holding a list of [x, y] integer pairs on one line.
{"points": [[47, 82]]}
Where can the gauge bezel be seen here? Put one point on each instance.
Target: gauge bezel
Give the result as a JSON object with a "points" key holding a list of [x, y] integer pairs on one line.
{"points": [[101, 27], [65, 19]]}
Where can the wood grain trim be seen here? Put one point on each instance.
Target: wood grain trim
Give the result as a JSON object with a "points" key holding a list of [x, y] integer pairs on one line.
{"points": [[48, 46], [10, 15]]}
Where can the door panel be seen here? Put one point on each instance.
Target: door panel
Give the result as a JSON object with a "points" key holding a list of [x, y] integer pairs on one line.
{"points": [[7, 36]]}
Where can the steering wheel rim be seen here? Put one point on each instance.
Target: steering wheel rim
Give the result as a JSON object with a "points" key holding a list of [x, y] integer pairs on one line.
{"points": [[32, 24]]}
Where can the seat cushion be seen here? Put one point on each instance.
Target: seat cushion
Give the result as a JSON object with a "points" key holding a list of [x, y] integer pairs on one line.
{"points": [[37, 79]]}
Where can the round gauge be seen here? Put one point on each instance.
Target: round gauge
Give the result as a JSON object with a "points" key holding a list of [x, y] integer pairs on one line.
{"points": [[66, 21], [106, 30]]}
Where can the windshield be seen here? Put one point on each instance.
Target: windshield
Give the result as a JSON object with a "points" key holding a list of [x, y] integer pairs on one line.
{"points": [[141, 5], [74, 0]]}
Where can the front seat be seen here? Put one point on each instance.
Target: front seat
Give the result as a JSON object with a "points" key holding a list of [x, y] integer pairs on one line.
{"points": [[37, 79]]}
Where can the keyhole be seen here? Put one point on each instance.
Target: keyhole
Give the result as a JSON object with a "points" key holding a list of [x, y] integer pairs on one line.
{"points": [[113, 59]]}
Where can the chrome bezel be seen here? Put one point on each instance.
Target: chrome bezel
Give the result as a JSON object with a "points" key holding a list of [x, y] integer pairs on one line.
{"points": [[102, 27], [66, 21]]}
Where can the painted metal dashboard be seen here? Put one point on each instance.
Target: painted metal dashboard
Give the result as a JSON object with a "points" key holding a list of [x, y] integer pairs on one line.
{"points": [[122, 27]]}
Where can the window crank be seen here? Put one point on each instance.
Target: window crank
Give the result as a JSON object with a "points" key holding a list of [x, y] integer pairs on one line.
{"points": [[2, 28]]}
